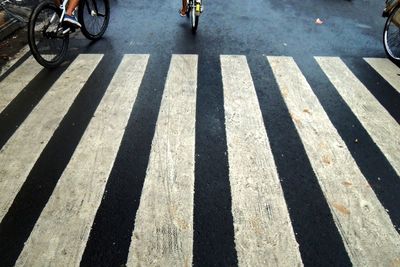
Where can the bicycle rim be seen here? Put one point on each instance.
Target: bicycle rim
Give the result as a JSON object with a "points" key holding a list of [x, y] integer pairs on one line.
{"points": [[391, 35], [46, 41], [94, 16]]}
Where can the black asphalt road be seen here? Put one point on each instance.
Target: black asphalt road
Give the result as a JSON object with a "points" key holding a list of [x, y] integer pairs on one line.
{"points": [[350, 30]]}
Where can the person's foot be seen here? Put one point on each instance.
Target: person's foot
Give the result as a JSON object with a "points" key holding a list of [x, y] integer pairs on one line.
{"points": [[182, 12], [72, 20]]}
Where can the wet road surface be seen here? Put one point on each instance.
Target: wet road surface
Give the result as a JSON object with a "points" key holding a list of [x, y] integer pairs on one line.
{"points": [[263, 140]]}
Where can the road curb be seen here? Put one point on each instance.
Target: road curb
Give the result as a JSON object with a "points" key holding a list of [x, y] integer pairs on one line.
{"points": [[8, 23], [8, 27]]}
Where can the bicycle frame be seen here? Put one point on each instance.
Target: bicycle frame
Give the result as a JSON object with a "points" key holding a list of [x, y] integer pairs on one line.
{"points": [[197, 4], [92, 10], [390, 5], [63, 8], [56, 38]]}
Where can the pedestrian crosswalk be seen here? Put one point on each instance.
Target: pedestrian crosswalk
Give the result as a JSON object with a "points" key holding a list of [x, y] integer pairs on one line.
{"points": [[384, 130], [355, 208], [259, 211], [387, 69], [20, 153], [163, 233], [17, 80], [79, 190], [164, 222]]}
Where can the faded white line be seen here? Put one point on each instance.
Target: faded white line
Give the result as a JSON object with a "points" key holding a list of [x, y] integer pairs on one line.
{"points": [[367, 231], [163, 234], [387, 69], [60, 235], [16, 81], [20, 153], [382, 127], [16, 58], [263, 231]]}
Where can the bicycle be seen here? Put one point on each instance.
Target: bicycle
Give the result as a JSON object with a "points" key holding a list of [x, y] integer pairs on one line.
{"points": [[11, 11], [194, 9], [48, 35], [391, 31]]}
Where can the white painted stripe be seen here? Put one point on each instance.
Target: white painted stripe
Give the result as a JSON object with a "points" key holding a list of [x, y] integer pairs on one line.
{"points": [[387, 69], [24, 50], [60, 235], [163, 234], [16, 81], [263, 231], [20, 153], [368, 234], [382, 128]]}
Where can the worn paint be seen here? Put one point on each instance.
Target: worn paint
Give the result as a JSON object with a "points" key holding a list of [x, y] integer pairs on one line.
{"points": [[14, 83], [381, 126], [20, 153], [367, 231], [163, 234], [60, 235], [387, 69], [263, 231]]}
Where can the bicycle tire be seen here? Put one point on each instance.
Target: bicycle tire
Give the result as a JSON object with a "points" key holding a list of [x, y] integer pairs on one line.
{"points": [[188, 4], [33, 41], [105, 12], [194, 19], [392, 51]]}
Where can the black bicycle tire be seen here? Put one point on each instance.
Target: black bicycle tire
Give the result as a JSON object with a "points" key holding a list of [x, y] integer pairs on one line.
{"points": [[84, 30], [188, 4], [31, 39], [196, 21], [196, 24], [388, 21]]}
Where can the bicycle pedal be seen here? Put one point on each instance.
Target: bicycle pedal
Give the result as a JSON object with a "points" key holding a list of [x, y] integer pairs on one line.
{"points": [[67, 30]]}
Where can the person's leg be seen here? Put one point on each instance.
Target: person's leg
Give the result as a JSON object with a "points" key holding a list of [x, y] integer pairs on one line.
{"points": [[72, 4], [184, 7]]}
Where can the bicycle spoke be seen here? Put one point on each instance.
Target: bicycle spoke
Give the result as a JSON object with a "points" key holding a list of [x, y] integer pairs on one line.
{"points": [[95, 23], [94, 16], [49, 42]]}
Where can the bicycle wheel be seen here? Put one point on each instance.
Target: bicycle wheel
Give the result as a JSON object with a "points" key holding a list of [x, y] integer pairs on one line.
{"points": [[188, 5], [46, 40], [194, 17], [391, 36], [94, 16]]}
